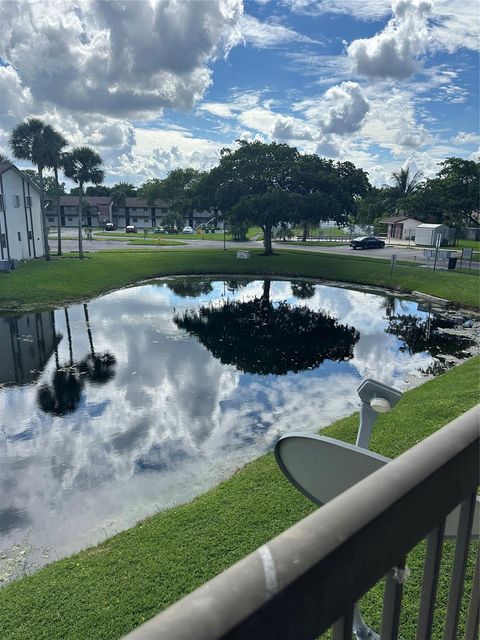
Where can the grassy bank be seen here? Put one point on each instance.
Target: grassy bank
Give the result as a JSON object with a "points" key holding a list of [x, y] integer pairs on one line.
{"points": [[104, 592], [39, 284]]}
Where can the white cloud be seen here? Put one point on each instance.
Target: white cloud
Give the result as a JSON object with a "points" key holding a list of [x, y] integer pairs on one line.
{"points": [[394, 52], [288, 128], [365, 10], [341, 109], [100, 56], [466, 137], [264, 35]]}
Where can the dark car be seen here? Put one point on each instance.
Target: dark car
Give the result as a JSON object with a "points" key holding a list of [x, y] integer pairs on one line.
{"points": [[367, 242], [109, 226], [130, 229]]}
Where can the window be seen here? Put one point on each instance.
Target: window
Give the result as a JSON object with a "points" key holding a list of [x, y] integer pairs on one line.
{"points": [[16, 201], [3, 240], [51, 219], [135, 219], [2, 202], [145, 219], [163, 209], [28, 201], [30, 235], [19, 236], [70, 219]]}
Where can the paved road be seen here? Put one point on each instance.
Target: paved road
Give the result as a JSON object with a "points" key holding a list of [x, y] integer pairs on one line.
{"points": [[410, 254]]}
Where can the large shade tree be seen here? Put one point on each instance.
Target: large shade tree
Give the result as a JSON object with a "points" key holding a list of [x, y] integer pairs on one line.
{"points": [[261, 337], [38, 142], [250, 182], [83, 165]]}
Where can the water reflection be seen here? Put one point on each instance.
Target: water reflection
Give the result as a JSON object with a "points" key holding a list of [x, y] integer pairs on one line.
{"points": [[128, 412], [257, 336], [26, 344], [64, 393], [425, 334]]}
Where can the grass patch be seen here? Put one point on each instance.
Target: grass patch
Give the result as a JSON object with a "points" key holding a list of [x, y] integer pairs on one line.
{"points": [[468, 244], [105, 591], [39, 284]]}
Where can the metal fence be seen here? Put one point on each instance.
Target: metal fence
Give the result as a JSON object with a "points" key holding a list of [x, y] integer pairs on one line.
{"points": [[308, 579]]}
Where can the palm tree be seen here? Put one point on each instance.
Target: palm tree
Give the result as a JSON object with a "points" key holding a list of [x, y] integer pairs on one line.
{"points": [[405, 183], [56, 145], [82, 165], [32, 140], [3, 158]]}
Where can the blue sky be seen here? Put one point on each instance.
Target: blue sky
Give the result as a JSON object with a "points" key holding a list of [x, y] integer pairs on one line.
{"points": [[158, 84]]}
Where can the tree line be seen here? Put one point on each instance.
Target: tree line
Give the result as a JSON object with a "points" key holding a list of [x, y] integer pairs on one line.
{"points": [[269, 185]]}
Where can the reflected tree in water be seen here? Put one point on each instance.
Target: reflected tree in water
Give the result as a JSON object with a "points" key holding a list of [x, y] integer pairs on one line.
{"points": [[99, 368], [264, 338], [303, 290], [64, 393], [425, 334], [188, 288]]}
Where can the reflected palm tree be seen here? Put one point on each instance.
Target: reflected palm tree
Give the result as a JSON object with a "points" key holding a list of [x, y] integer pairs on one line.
{"points": [[188, 288], [302, 290], [260, 337], [99, 368], [419, 335], [64, 393]]}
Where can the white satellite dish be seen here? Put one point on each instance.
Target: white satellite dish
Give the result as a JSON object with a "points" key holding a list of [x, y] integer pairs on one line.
{"points": [[322, 468]]}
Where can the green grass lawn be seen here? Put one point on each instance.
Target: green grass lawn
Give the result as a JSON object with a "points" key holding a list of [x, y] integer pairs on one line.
{"points": [[39, 284], [468, 244], [104, 592], [252, 232]]}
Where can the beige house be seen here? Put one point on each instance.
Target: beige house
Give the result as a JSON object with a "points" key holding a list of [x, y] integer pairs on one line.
{"points": [[400, 227]]}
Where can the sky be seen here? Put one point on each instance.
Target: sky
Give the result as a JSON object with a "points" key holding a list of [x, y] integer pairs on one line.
{"points": [[154, 85]]}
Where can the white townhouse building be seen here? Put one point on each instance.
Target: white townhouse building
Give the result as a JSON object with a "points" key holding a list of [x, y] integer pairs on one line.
{"points": [[21, 224]]}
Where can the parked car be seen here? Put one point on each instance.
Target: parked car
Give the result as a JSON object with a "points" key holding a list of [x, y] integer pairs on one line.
{"points": [[130, 229], [158, 230], [367, 242], [171, 230], [188, 229], [109, 226]]}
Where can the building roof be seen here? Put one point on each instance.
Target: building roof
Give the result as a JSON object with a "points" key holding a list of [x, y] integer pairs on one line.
{"points": [[396, 219], [6, 166], [140, 202], [92, 200], [430, 226], [97, 201]]}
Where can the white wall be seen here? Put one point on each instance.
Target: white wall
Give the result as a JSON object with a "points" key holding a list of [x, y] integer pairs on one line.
{"points": [[23, 224]]}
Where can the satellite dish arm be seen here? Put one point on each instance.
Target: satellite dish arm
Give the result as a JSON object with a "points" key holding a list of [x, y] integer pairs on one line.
{"points": [[367, 420]]}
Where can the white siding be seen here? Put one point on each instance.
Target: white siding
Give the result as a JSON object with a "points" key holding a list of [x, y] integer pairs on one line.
{"points": [[20, 222]]}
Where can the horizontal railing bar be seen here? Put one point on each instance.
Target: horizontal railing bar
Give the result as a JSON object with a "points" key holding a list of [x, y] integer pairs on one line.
{"points": [[302, 581]]}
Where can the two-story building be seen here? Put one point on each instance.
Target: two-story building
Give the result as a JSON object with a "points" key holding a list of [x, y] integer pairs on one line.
{"points": [[97, 210], [21, 223], [136, 211]]}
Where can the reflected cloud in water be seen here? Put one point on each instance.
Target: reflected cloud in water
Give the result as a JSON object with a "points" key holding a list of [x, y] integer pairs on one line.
{"points": [[112, 410]]}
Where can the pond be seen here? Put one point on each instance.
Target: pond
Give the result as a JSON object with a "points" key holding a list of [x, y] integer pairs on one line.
{"points": [[151, 395]]}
